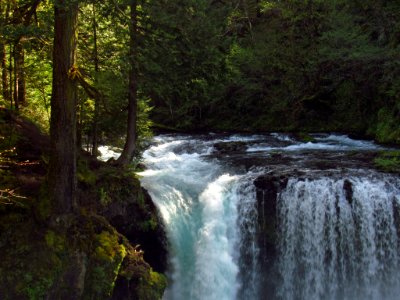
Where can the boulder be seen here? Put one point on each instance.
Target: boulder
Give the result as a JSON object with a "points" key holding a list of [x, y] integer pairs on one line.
{"points": [[230, 147]]}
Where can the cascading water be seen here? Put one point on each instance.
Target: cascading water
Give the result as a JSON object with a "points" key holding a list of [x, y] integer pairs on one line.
{"points": [[336, 237], [332, 247], [200, 214]]}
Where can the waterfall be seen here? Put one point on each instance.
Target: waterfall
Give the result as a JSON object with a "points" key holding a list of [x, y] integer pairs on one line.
{"points": [[338, 244], [198, 203], [248, 248], [336, 236]]}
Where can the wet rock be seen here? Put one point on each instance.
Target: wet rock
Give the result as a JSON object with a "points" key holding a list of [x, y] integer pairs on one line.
{"points": [[230, 147], [118, 196], [137, 218], [396, 216], [136, 281], [348, 190], [268, 188], [271, 183]]}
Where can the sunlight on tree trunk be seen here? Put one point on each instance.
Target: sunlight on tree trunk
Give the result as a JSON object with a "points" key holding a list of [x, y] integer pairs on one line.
{"points": [[62, 173], [95, 129], [130, 144]]}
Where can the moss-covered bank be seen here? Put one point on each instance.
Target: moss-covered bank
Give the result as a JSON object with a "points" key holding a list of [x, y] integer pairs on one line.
{"points": [[91, 254], [83, 262]]}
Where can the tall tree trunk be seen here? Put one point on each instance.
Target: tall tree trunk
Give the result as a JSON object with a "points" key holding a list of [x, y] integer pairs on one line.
{"points": [[79, 126], [10, 75], [130, 143], [3, 57], [15, 82], [20, 74], [95, 130], [62, 170], [4, 75]]}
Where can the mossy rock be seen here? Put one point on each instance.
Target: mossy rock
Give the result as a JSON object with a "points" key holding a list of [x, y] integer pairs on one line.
{"points": [[81, 261], [29, 265], [152, 286], [118, 196], [304, 137], [138, 280], [104, 265]]}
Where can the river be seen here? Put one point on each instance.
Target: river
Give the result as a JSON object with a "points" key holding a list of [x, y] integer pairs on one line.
{"points": [[272, 217]]}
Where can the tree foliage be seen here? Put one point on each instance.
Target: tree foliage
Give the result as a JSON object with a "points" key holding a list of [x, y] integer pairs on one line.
{"points": [[230, 64]]}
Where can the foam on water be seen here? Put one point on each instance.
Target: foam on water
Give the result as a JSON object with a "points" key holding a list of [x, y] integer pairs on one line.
{"points": [[333, 142], [337, 237], [196, 203], [331, 248], [107, 152]]}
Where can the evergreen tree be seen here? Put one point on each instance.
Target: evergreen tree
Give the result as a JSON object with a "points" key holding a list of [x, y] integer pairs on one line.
{"points": [[130, 142], [62, 173]]}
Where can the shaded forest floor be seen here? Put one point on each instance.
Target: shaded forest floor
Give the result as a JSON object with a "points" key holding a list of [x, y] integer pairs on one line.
{"points": [[22, 160]]}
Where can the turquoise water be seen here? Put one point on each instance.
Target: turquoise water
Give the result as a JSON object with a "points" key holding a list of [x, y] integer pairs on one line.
{"points": [[327, 247]]}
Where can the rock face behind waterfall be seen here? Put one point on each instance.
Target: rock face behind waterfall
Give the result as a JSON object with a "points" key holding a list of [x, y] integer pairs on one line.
{"points": [[267, 189]]}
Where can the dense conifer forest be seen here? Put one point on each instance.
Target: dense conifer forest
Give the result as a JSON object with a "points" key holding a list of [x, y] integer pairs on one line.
{"points": [[202, 65], [79, 74]]}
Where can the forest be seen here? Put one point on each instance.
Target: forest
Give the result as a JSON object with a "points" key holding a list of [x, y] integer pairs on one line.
{"points": [[213, 65], [76, 75]]}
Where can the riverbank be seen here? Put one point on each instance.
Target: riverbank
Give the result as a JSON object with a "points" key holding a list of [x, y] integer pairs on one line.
{"points": [[112, 247]]}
